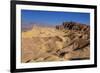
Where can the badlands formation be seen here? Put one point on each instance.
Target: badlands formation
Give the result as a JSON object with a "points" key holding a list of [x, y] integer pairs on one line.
{"points": [[66, 42]]}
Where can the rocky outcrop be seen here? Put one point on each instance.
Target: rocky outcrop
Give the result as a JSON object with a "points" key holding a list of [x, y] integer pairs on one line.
{"points": [[74, 26]]}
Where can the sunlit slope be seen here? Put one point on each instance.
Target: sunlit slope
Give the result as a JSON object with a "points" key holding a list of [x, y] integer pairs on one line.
{"points": [[42, 32], [51, 44]]}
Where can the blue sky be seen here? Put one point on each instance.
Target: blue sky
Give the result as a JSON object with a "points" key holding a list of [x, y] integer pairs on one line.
{"points": [[53, 17]]}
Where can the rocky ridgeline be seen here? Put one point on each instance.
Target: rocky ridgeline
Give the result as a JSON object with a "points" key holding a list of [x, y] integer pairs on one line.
{"points": [[74, 26]]}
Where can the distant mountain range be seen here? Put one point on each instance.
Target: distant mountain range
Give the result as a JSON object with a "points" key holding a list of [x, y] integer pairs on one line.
{"points": [[64, 25], [29, 26]]}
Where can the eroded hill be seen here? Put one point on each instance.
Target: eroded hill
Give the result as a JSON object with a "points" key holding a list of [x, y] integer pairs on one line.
{"points": [[69, 41]]}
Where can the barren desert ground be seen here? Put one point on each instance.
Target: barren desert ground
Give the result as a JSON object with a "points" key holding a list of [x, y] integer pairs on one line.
{"points": [[69, 41]]}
